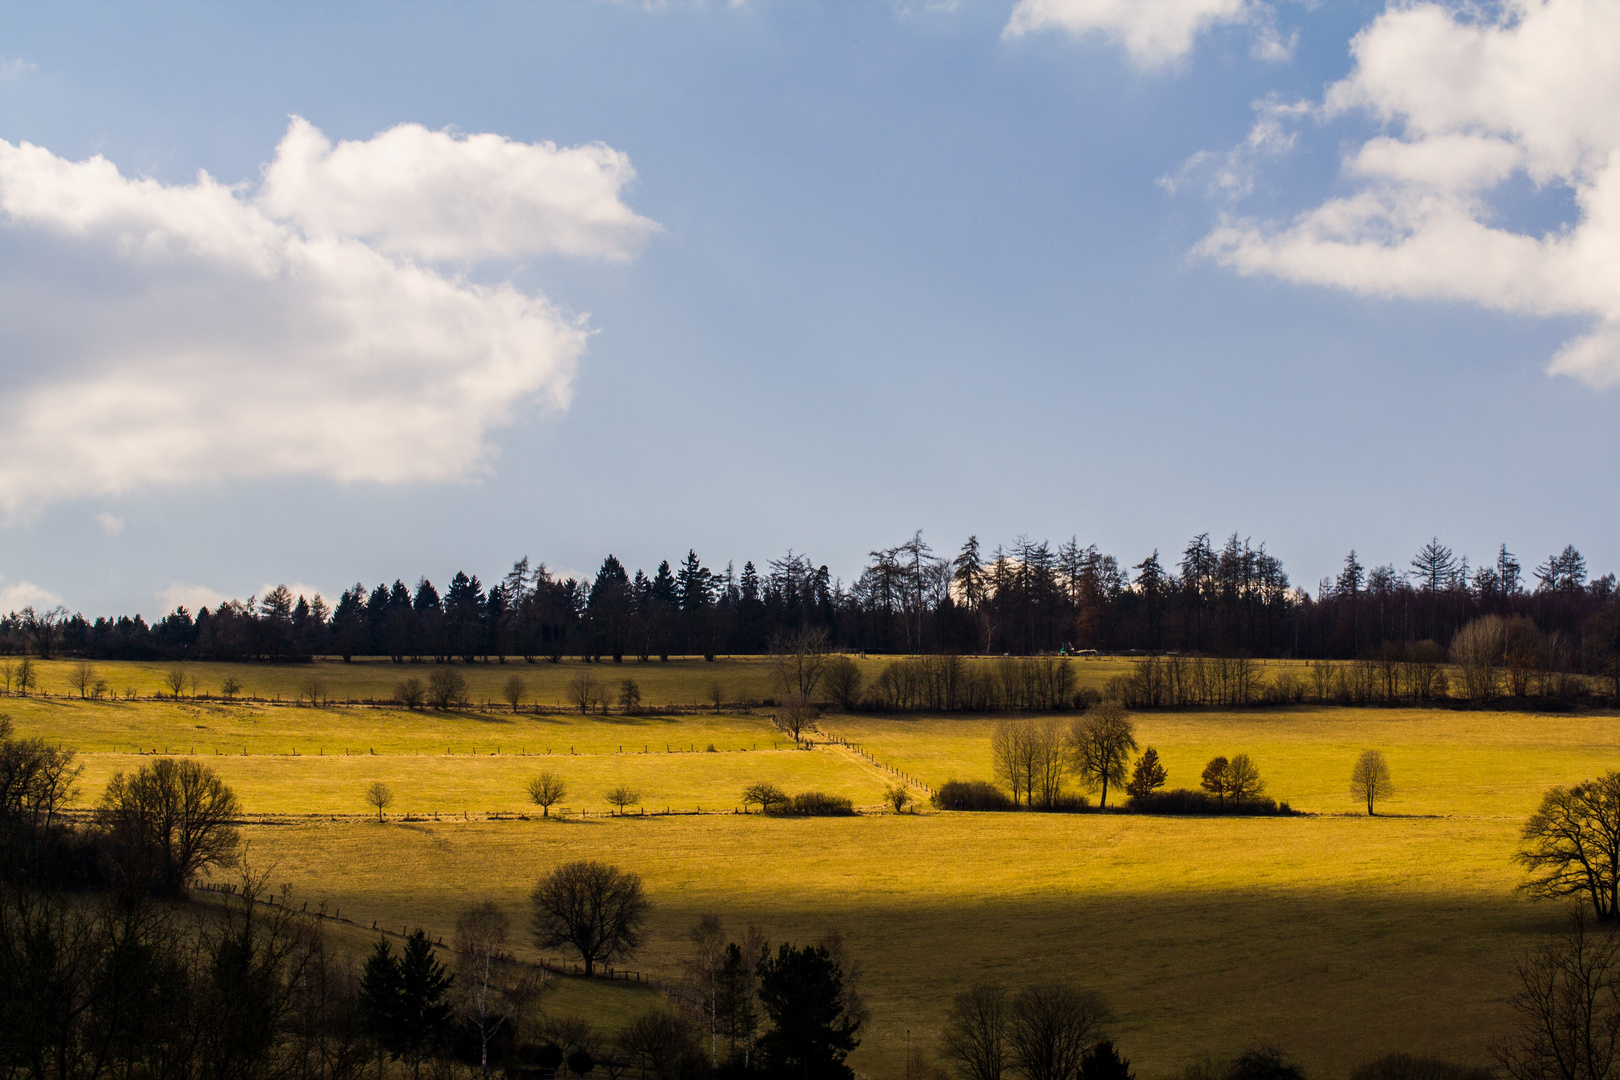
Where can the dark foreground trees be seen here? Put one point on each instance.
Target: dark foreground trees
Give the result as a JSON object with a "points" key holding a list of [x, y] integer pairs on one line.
{"points": [[593, 907], [405, 1001], [1048, 1031], [802, 991], [100, 986], [1568, 1009], [1572, 845]]}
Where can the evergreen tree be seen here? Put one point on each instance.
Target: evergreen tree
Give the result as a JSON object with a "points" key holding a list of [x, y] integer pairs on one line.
{"points": [[810, 1035], [349, 622], [424, 1008], [380, 1001]]}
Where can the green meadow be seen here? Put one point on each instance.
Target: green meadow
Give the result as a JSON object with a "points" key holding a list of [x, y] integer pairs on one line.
{"points": [[1336, 936]]}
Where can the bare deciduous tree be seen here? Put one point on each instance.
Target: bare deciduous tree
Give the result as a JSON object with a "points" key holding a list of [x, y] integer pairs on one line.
{"points": [[447, 688], [170, 821], [1568, 1006], [702, 967], [381, 796], [1572, 845], [410, 692], [515, 691], [842, 681], [1050, 1026], [795, 715], [629, 694], [230, 687], [622, 797], [975, 1033], [175, 680], [1478, 650], [1369, 779], [584, 691], [313, 690], [765, 794], [899, 797], [26, 676], [546, 790], [1101, 742], [1243, 781], [799, 657], [84, 677], [495, 989], [595, 908]]}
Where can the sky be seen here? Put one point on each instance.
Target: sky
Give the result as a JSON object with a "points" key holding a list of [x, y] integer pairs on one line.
{"points": [[317, 294]]}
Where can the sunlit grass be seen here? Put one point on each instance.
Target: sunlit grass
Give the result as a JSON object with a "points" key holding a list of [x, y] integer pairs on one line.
{"points": [[1338, 936]]}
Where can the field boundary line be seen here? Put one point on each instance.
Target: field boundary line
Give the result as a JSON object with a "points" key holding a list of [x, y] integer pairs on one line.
{"points": [[859, 751]]}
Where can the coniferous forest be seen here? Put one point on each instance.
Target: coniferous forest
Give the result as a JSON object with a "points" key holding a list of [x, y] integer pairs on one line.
{"points": [[1216, 599]]}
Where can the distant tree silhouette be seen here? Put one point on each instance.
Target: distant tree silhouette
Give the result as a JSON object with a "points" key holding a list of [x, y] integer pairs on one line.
{"points": [[595, 908]]}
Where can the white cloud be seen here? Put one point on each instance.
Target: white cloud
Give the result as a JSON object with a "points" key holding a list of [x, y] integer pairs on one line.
{"points": [[15, 68], [21, 594], [174, 334], [1475, 101], [1153, 32], [192, 597], [428, 194], [110, 523], [1231, 175]]}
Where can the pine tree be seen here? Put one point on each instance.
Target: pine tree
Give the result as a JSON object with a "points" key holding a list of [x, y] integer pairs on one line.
{"points": [[810, 1035], [424, 1010], [380, 1001], [1147, 777]]}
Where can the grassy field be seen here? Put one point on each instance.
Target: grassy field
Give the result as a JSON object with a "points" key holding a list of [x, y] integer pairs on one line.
{"points": [[682, 681], [1338, 936]]}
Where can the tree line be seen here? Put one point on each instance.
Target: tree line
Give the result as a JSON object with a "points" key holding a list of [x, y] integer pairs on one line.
{"points": [[1228, 599]]}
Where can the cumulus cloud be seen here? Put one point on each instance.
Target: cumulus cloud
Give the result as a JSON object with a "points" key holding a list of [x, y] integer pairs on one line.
{"points": [[1152, 32], [16, 595], [428, 194], [1231, 175], [1469, 103], [110, 523], [170, 334], [191, 597]]}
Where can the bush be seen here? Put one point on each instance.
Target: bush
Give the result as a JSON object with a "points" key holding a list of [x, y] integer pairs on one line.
{"points": [[971, 795], [814, 804], [1407, 1067], [1183, 801]]}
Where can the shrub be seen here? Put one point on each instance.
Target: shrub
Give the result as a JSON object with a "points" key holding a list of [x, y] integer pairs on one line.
{"points": [[1263, 1063], [1183, 801], [814, 804], [971, 795], [1407, 1067]]}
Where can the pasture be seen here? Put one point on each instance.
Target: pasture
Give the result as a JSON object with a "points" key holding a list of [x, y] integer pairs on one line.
{"points": [[1336, 936], [682, 681]]}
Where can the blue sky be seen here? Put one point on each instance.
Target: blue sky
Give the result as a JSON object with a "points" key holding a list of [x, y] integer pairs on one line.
{"points": [[834, 273]]}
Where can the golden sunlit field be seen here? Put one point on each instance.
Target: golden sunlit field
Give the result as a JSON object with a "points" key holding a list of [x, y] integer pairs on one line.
{"points": [[1336, 936]]}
